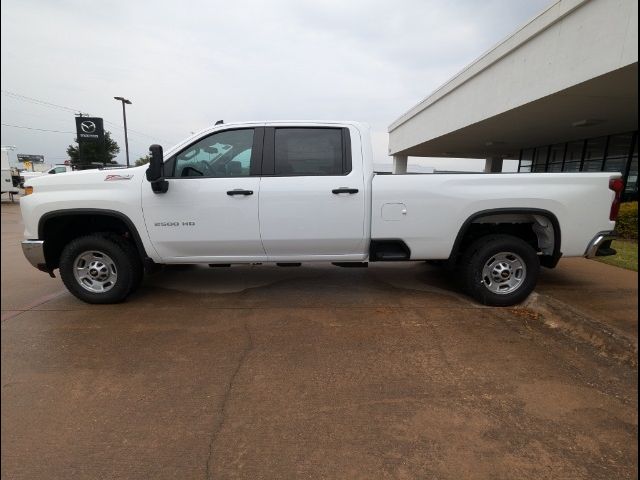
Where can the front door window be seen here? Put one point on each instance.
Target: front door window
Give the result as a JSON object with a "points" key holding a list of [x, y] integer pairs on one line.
{"points": [[221, 155]]}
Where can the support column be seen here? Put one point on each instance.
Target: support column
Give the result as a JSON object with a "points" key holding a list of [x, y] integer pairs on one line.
{"points": [[399, 164], [493, 165]]}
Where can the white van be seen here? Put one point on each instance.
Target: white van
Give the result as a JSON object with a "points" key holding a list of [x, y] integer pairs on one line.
{"points": [[7, 180]]}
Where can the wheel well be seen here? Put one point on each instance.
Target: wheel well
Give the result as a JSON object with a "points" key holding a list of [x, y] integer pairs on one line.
{"points": [[57, 230], [538, 228]]}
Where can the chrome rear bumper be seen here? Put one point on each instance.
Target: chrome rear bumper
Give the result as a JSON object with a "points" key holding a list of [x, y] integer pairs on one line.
{"points": [[34, 252], [601, 241]]}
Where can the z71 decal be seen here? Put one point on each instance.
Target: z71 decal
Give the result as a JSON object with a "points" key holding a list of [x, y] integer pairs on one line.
{"points": [[112, 178]]}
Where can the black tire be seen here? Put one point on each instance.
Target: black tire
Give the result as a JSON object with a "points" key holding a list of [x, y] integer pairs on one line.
{"points": [[127, 266], [485, 249], [132, 251]]}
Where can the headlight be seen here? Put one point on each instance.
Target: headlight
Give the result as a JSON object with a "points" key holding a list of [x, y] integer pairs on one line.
{"points": [[28, 190]]}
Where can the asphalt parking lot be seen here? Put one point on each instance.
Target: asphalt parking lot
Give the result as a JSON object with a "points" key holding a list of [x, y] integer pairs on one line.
{"points": [[311, 372]]}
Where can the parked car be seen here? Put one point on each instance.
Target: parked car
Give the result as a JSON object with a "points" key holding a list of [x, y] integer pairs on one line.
{"points": [[293, 192], [26, 175]]}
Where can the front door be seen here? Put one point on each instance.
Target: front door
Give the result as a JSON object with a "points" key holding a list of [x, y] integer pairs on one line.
{"points": [[210, 211]]}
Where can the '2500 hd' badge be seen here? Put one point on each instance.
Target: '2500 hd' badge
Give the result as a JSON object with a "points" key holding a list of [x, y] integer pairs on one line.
{"points": [[174, 224]]}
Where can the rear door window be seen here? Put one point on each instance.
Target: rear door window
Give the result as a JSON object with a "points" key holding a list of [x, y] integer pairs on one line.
{"points": [[309, 152]]}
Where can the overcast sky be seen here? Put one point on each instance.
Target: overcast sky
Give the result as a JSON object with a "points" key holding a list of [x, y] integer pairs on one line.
{"points": [[187, 64]]}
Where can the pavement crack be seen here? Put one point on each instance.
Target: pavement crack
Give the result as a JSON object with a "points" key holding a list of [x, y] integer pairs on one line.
{"points": [[225, 401], [39, 302]]}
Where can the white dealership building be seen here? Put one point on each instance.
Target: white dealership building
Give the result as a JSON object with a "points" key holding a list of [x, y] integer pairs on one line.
{"points": [[559, 94]]}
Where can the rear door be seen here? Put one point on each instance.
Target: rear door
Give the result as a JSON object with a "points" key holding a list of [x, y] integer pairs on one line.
{"points": [[210, 211], [312, 200]]}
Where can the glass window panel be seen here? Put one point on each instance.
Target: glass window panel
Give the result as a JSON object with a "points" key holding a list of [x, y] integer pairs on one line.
{"points": [[594, 154], [223, 154], [555, 167], [527, 154], [308, 151], [540, 159], [556, 153], [632, 180], [526, 159], [618, 153], [618, 164], [556, 156], [619, 145], [571, 166], [574, 153]]}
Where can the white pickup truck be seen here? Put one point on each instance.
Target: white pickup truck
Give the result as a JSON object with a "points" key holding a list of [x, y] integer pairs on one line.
{"points": [[292, 192]]}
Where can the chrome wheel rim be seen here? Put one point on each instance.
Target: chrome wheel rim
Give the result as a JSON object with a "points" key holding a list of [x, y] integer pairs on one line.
{"points": [[504, 273], [95, 271]]}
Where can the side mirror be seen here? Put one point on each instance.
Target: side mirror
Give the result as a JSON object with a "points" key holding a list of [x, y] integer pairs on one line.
{"points": [[155, 172]]}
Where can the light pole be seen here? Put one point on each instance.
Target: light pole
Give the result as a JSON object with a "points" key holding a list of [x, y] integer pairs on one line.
{"points": [[124, 116]]}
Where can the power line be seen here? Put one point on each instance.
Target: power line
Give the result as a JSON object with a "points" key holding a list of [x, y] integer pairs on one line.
{"points": [[135, 140], [44, 103], [134, 131], [24, 98], [33, 128]]}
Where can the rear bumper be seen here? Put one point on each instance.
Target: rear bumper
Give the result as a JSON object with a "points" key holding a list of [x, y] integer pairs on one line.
{"points": [[600, 246], [34, 252]]}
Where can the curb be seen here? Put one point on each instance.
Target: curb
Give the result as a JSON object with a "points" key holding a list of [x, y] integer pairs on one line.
{"points": [[582, 328]]}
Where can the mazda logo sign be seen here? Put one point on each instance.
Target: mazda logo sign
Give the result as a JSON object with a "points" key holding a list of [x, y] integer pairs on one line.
{"points": [[89, 129], [88, 126]]}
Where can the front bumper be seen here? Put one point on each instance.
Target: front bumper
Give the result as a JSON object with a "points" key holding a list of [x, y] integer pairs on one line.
{"points": [[600, 246], [34, 252]]}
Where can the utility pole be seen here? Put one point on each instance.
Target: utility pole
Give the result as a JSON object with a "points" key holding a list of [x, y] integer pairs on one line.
{"points": [[80, 157], [124, 116]]}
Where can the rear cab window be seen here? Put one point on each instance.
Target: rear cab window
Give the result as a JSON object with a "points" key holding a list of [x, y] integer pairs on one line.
{"points": [[306, 151]]}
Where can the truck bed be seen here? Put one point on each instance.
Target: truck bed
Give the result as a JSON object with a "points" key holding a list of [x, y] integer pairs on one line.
{"points": [[427, 211]]}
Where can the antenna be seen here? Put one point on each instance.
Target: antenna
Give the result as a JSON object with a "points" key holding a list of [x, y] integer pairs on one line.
{"points": [[219, 122]]}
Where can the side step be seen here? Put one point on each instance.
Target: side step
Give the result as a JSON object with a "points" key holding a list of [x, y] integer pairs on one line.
{"points": [[389, 251], [289, 264], [350, 264]]}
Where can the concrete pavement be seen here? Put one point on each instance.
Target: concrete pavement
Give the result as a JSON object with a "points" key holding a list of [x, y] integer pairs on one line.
{"points": [[314, 372]]}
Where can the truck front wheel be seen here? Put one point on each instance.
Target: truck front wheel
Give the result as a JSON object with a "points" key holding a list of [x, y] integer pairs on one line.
{"points": [[99, 269], [499, 270]]}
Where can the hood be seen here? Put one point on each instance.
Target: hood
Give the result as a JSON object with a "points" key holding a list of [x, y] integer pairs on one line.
{"points": [[85, 178]]}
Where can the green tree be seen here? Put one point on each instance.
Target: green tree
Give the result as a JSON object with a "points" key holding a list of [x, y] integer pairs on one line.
{"points": [[94, 152], [143, 160]]}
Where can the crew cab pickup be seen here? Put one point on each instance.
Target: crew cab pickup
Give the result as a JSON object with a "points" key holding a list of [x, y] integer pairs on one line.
{"points": [[293, 192]]}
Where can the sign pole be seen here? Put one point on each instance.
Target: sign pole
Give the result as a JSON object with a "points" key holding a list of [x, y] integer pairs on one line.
{"points": [[80, 156]]}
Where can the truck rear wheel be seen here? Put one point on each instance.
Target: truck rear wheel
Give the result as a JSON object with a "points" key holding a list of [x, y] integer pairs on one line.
{"points": [[499, 270], [99, 269]]}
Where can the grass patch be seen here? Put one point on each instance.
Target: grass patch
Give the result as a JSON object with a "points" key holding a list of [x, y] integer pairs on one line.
{"points": [[627, 256]]}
